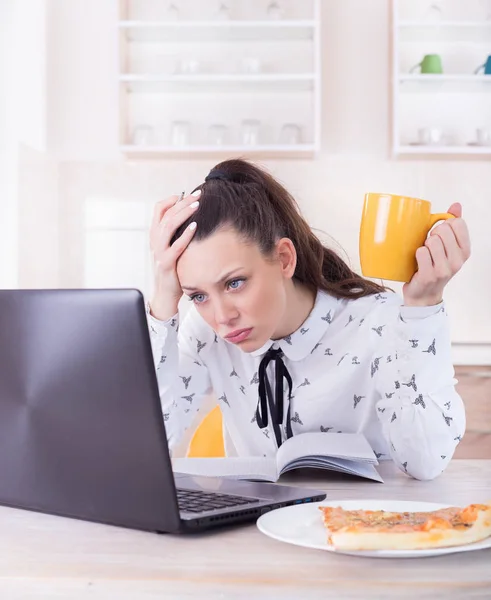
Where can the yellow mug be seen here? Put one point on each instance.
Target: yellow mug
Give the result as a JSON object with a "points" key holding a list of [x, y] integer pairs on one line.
{"points": [[392, 229]]}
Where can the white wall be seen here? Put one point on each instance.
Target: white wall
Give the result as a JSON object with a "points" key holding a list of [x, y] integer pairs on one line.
{"points": [[8, 147], [22, 119], [38, 219], [30, 55], [83, 117], [83, 134]]}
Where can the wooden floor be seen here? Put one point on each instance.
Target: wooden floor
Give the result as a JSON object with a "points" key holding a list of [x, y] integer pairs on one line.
{"points": [[474, 386]]}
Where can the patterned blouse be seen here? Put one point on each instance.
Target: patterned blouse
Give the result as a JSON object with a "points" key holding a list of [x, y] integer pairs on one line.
{"points": [[371, 366]]}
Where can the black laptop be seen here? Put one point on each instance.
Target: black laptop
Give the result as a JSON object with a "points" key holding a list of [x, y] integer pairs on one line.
{"points": [[81, 427]]}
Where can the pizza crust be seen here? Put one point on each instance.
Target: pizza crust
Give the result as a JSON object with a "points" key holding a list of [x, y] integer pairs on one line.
{"points": [[366, 538]]}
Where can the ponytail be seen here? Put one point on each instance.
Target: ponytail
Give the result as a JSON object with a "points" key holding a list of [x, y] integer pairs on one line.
{"points": [[240, 194]]}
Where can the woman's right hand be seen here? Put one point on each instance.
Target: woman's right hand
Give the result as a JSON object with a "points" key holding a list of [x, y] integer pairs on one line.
{"points": [[168, 216]]}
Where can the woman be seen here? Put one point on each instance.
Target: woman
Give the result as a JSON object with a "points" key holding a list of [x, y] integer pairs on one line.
{"points": [[288, 338]]}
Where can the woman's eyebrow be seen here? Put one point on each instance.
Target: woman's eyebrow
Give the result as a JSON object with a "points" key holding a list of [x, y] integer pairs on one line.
{"points": [[222, 279]]}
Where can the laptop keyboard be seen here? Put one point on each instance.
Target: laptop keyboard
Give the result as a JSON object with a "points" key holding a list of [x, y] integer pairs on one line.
{"points": [[197, 501]]}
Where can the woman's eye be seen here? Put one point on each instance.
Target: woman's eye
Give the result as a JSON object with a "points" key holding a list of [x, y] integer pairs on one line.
{"points": [[198, 298], [235, 284]]}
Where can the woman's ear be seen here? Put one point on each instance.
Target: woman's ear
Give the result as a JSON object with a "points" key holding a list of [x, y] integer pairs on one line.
{"points": [[287, 257]]}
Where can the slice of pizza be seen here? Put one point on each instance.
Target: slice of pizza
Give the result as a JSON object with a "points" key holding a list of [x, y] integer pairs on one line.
{"points": [[383, 530]]}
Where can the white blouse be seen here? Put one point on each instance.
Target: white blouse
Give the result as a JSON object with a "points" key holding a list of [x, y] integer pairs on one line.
{"points": [[369, 365]]}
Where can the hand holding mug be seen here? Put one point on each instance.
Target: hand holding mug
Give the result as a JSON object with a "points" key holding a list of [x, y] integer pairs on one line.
{"points": [[444, 252]]}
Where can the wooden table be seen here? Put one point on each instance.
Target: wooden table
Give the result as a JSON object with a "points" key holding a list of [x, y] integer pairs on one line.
{"points": [[42, 556]]}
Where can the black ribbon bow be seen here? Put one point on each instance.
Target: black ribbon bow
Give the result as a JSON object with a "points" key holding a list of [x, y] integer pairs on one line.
{"points": [[274, 401]]}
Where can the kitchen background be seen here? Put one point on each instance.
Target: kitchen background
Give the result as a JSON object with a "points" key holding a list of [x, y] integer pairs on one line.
{"points": [[108, 106]]}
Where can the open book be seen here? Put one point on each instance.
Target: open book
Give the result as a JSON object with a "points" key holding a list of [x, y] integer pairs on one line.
{"points": [[343, 452]]}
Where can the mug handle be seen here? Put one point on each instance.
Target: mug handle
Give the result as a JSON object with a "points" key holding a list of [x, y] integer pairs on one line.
{"points": [[440, 217], [479, 68], [416, 66]]}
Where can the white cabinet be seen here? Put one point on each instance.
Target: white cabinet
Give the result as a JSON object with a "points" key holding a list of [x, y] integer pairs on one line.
{"points": [[116, 244], [447, 112], [209, 78]]}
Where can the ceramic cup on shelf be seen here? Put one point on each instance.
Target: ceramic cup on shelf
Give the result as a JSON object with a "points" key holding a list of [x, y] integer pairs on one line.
{"points": [[275, 10], [434, 14], [250, 132], [189, 66], [486, 9], [483, 136], [486, 66], [430, 136], [217, 134], [143, 135], [180, 133], [173, 12], [142, 10], [222, 12], [250, 65], [290, 134], [430, 64]]}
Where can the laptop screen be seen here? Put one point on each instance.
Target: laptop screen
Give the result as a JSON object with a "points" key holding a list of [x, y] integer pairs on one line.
{"points": [[81, 426]]}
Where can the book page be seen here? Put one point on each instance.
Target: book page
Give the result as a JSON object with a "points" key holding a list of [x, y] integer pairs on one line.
{"points": [[351, 467], [253, 468], [349, 446]]}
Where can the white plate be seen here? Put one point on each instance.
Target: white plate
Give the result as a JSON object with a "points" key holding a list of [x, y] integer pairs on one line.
{"points": [[302, 525]]}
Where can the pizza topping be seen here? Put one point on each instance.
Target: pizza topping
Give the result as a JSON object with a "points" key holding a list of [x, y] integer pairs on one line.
{"points": [[379, 529], [337, 519]]}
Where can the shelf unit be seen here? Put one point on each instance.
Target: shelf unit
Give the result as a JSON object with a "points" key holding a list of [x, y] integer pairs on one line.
{"points": [[427, 78], [456, 102], [458, 32], [194, 70], [446, 24], [469, 149], [218, 83], [256, 151], [160, 31]]}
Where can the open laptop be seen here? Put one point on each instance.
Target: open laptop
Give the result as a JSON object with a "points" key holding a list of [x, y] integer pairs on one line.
{"points": [[81, 427]]}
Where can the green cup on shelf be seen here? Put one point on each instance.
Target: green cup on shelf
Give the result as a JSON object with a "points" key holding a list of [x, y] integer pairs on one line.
{"points": [[431, 64]]}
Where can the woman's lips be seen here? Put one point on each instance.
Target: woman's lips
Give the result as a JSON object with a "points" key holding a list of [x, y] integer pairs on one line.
{"points": [[239, 335]]}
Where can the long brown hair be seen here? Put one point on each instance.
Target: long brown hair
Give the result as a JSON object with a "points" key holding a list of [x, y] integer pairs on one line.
{"points": [[238, 193]]}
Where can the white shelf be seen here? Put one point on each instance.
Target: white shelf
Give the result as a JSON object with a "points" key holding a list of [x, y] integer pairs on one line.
{"points": [[473, 150], [445, 24], [475, 32], [444, 83], [199, 31], [212, 83], [269, 151], [438, 78]]}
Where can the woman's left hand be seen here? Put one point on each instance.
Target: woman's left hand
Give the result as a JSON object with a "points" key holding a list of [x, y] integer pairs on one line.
{"points": [[442, 256]]}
